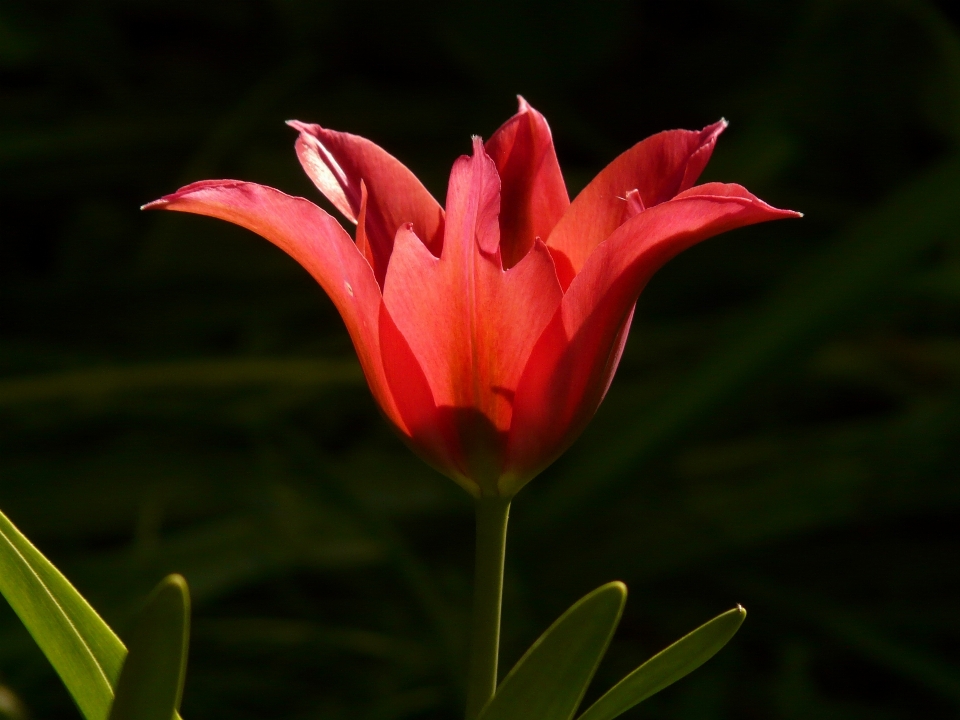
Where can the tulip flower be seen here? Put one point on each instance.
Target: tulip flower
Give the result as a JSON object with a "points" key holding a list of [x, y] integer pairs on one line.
{"points": [[489, 330]]}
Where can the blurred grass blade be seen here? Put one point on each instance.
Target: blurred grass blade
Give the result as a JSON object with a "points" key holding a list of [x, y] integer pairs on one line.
{"points": [[84, 651], [668, 666], [151, 682], [228, 373], [549, 681]]}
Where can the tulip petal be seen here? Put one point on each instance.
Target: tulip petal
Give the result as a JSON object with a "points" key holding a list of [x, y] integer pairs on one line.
{"points": [[316, 241], [432, 432], [363, 242], [658, 168], [470, 324], [574, 359], [338, 163], [533, 194]]}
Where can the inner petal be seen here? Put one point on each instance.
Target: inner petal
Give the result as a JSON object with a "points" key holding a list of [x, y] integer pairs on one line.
{"points": [[470, 324]]}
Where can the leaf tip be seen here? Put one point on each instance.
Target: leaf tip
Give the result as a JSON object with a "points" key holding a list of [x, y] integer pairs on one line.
{"points": [[179, 581], [616, 586]]}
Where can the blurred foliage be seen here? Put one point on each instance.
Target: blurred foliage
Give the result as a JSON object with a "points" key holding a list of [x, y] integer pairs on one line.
{"points": [[177, 395]]}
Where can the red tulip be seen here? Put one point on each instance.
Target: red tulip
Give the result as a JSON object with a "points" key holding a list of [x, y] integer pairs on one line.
{"points": [[488, 334]]}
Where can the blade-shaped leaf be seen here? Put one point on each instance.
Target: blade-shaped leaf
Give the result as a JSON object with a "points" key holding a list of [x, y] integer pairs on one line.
{"points": [[668, 666], [151, 682], [549, 681], [82, 648]]}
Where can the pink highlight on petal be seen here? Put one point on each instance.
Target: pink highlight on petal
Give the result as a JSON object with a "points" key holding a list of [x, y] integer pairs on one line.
{"points": [[341, 165]]}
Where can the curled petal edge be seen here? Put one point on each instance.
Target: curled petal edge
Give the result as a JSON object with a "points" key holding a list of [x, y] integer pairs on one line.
{"points": [[339, 164]]}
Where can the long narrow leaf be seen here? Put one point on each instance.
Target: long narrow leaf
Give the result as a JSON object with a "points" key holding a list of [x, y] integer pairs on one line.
{"points": [[549, 681], [668, 666], [151, 682], [82, 648]]}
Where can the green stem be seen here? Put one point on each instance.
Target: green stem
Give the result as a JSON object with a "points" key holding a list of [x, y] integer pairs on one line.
{"points": [[492, 514]]}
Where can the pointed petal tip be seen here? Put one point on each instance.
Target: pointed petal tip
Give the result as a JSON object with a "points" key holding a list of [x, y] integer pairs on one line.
{"points": [[174, 197], [712, 132], [783, 213], [775, 212], [297, 125], [156, 204], [522, 105], [312, 130]]}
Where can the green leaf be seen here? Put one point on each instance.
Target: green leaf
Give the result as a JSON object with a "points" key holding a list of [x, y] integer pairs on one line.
{"points": [[151, 682], [549, 681], [667, 666], [82, 648]]}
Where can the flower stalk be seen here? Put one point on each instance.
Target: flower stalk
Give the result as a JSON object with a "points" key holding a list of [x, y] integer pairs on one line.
{"points": [[492, 514]]}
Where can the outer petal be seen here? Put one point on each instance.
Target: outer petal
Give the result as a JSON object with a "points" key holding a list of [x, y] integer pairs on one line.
{"points": [[432, 430], [316, 241], [658, 168], [574, 360], [338, 162], [469, 324], [533, 196]]}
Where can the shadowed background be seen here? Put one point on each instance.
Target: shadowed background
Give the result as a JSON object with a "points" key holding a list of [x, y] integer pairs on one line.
{"points": [[178, 395]]}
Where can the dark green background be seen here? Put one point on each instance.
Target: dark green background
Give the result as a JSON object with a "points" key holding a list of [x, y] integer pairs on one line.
{"points": [[176, 394]]}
